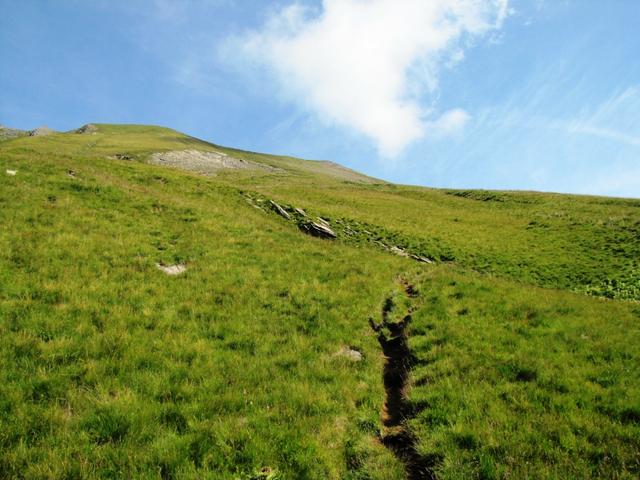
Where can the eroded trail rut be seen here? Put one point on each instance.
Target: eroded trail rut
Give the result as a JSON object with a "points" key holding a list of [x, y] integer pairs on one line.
{"points": [[393, 338]]}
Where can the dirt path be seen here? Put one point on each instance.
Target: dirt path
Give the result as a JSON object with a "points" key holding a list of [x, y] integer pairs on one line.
{"points": [[393, 338]]}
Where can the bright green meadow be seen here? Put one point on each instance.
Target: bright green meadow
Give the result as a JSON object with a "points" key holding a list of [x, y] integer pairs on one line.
{"points": [[524, 331]]}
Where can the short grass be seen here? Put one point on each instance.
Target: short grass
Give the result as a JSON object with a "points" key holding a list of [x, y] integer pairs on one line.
{"points": [[112, 369], [520, 382], [586, 244]]}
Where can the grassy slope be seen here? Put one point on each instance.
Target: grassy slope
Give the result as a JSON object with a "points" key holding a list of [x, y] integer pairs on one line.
{"points": [[525, 382], [561, 241], [115, 369]]}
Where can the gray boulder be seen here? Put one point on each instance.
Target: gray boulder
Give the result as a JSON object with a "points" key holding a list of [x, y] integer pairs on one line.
{"points": [[318, 230]]}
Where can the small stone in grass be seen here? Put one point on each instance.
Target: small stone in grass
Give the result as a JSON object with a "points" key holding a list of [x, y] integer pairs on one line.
{"points": [[12, 173], [350, 353], [176, 269]]}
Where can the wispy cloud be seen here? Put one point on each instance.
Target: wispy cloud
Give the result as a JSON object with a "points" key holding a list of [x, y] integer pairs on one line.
{"points": [[625, 183], [605, 133], [449, 123], [370, 65], [616, 119]]}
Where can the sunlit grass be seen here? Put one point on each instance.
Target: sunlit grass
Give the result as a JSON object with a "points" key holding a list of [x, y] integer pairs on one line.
{"points": [[522, 382], [113, 369]]}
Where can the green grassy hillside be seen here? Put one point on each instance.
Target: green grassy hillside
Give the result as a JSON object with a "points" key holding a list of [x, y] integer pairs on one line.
{"points": [[518, 359]]}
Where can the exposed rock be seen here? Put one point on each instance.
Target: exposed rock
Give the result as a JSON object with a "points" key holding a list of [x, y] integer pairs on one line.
{"points": [[317, 230], [301, 212], [403, 253], [123, 156], [398, 251], [176, 269], [8, 133], [71, 173], [350, 353], [421, 259], [12, 173], [40, 131], [88, 129], [279, 210], [323, 222], [257, 203], [206, 162]]}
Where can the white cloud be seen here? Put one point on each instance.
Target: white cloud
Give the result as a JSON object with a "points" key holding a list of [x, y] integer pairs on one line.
{"points": [[368, 64], [449, 123]]}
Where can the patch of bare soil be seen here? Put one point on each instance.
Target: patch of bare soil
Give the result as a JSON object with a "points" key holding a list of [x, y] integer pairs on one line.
{"points": [[206, 162], [393, 338]]}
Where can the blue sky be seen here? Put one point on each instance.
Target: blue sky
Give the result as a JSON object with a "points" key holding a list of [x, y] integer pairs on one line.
{"points": [[506, 94]]}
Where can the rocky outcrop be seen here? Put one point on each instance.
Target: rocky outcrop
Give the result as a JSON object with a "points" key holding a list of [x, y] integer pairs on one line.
{"points": [[398, 251], [8, 133], [41, 131], [321, 228], [421, 259], [88, 129], [279, 210], [317, 230], [350, 231]]}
